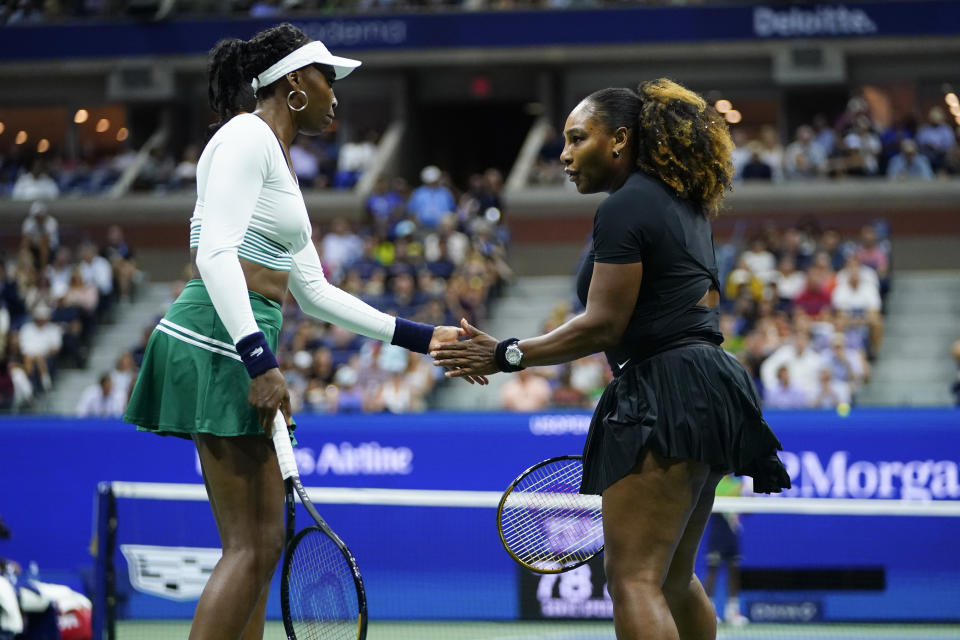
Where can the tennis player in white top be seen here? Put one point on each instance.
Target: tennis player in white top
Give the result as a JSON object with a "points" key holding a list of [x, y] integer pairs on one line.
{"points": [[250, 234]]}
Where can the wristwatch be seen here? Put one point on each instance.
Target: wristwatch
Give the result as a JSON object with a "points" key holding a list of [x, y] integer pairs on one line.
{"points": [[513, 354]]}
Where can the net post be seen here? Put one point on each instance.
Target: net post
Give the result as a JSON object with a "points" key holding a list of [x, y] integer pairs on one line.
{"points": [[105, 593]]}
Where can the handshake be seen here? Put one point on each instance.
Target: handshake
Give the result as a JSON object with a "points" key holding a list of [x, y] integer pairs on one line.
{"points": [[465, 352]]}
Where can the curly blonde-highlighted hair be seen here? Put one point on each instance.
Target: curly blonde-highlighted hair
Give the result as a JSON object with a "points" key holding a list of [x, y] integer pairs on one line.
{"points": [[677, 137]]}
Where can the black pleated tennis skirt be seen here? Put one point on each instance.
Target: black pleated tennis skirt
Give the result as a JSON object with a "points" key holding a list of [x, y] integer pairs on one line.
{"points": [[694, 401]]}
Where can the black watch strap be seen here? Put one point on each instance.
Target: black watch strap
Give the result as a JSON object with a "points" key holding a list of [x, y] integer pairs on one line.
{"points": [[500, 355]]}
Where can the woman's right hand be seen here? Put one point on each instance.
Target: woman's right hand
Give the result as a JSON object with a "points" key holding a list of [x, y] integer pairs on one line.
{"points": [[268, 392]]}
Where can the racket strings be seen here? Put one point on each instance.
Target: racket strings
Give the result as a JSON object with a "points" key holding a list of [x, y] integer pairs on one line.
{"points": [[545, 522], [323, 597]]}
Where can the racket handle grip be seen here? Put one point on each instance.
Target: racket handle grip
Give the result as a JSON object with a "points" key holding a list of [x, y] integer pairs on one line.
{"points": [[283, 447]]}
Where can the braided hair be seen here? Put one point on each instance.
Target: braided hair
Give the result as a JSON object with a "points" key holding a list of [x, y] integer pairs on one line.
{"points": [[677, 137], [235, 62]]}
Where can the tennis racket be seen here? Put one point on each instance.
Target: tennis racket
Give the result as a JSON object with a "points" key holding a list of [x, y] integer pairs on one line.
{"points": [[544, 523], [321, 590]]}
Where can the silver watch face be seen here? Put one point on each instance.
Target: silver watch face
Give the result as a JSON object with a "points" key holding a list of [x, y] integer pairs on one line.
{"points": [[513, 355]]}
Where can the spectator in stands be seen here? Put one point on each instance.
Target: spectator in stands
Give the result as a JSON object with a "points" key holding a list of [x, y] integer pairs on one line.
{"points": [[859, 298], [909, 164], [799, 357], [40, 234], [431, 201], [863, 148], [59, 272], [740, 154], [783, 393], [36, 184], [121, 259], [830, 392], [305, 162], [875, 254], [789, 280], [823, 134], [384, 205], [185, 173], [40, 341], [526, 391], [756, 167], [935, 138], [101, 400], [124, 375], [804, 158], [759, 259], [771, 151], [97, 270], [340, 246], [10, 296], [355, 158], [816, 296], [847, 365]]}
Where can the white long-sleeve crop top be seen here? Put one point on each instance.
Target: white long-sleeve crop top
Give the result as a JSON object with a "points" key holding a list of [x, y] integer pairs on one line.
{"points": [[250, 206]]}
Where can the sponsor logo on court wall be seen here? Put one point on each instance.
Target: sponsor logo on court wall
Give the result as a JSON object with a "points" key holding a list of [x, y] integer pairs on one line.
{"points": [[175, 573], [806, 611], [803, 22], [840, 476], [580, 593], [355, 459], [559, 424]]}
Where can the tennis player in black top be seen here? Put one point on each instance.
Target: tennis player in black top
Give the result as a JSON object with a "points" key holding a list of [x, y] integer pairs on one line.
{"points": [[680, 412]]}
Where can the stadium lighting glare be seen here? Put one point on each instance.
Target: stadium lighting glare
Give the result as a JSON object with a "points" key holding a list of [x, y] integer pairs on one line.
{"points": [[43, 146], [81, 116], [21, 137], [122, 134], [102, 125], [723, 106], [733, 116], [952, 99]]}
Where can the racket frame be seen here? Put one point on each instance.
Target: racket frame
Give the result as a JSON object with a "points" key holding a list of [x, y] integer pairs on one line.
{"points": [[284, 449], [503, 501]]}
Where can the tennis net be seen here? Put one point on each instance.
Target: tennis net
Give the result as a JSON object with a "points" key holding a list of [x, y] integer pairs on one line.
{"points": [[434, 568]]}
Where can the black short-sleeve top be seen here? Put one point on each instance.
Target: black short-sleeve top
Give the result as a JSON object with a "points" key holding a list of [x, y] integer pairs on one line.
{"points": [[645, 221]]}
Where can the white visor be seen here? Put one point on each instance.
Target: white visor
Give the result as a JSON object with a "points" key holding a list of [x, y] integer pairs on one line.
{"points": [[310, 53]]}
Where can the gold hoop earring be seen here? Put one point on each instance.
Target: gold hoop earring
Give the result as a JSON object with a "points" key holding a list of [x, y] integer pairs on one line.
{"points": [[306, 100]]}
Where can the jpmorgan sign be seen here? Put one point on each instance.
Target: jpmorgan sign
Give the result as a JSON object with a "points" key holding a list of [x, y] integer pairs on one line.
{"points": [[842, 476]]}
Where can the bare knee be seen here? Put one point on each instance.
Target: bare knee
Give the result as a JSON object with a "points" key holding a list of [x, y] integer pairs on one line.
{"points": [[258, 557], [624, 584], [678, 591]]}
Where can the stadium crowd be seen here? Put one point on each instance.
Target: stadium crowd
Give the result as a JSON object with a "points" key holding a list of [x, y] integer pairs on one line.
{"points": [[52, 298], [321, 162]]}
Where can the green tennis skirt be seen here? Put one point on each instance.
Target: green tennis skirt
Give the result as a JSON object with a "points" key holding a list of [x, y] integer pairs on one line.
{"points": [[191, 379]]}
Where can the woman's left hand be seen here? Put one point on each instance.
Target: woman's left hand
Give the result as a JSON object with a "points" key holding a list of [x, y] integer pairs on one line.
{"points": [[468, 358], [446, 335]]}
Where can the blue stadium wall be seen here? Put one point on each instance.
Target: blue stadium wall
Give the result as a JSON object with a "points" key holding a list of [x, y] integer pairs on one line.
{"points": [[50, 469]]}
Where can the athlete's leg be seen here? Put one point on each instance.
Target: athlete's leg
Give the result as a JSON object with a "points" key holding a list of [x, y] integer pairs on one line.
{"points": [[689, 604], [644, 517], [246, 494]]}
